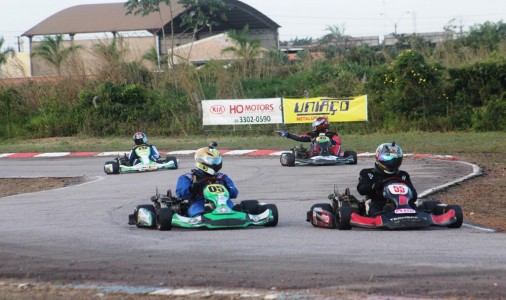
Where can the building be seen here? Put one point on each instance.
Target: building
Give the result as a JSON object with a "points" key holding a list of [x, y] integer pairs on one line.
{"points": [[161, 31]]}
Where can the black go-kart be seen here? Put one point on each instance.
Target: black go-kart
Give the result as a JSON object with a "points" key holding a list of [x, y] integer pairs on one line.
{"points": [[346, 211], [300, 156]]}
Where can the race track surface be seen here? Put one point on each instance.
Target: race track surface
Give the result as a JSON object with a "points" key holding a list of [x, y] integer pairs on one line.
{"points": [[79, 235]]}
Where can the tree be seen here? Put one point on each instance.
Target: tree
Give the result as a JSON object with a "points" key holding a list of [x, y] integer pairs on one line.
{"points": [[246, 49], [52, 50], [4, 54], [336, 40]]}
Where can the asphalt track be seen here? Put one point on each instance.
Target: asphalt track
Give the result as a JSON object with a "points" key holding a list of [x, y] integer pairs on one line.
{"points": [[79, 235]]}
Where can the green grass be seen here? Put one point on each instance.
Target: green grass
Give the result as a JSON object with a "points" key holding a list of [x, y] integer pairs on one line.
{"points": [[410, 142]]}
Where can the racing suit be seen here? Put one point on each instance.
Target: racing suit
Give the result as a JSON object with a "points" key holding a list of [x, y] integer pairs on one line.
{"points": [[188, 187], [334, 149], [371, 182], [133, 158]]}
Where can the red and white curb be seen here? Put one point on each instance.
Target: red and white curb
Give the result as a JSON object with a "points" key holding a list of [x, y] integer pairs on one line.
{"points": [[191, 152]]}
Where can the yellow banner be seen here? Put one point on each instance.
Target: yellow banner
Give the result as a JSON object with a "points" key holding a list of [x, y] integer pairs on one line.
{"points": [[305, 110]]}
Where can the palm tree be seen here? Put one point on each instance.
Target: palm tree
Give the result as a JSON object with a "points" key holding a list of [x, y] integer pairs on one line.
{"points": [[4, 55], [245, 48], [52, 50]]}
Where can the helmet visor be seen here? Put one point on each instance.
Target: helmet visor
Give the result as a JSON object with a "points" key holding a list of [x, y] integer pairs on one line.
{"points": [[211, 161]]}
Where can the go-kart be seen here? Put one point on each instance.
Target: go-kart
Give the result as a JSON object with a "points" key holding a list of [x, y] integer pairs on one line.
{"points": [[121, 164], [300, 156], [346, 211], [168, 211]]}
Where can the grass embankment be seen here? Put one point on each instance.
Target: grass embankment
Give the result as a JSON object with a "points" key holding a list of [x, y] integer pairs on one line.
{"points": [[410, 142]]}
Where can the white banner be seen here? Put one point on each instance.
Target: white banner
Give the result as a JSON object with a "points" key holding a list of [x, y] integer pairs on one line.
{"points": [[242, 111]]}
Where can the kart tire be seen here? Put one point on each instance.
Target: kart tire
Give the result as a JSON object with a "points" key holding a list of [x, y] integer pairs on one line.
{"points": [[343, 218], [172, 158], [250, 206], [111, 167], [458, 214], [164, 219], [287, 159], [149, 207], [274, 209], [352, 154], [326, 207]]}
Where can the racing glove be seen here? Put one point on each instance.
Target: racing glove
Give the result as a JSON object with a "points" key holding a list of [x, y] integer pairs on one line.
{"points": [[282, 133]]}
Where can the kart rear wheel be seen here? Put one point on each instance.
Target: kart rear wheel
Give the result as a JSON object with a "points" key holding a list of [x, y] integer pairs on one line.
{"points": [[111, 167], [343, 218], [172, 158], [164, 219], [458, 214], [352, 154], [148, 207], [250, 206], [274, 210], [287, 159]]}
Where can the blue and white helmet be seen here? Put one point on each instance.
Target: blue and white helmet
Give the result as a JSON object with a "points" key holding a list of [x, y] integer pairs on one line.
{"points": [[389, 157]]}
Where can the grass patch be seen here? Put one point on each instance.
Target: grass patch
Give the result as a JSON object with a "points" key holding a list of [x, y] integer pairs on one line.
{"points": [[410, 142]]}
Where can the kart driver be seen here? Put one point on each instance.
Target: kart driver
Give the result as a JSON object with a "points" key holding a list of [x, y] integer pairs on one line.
{"points": [[190, 186], [371, 181], [320, 126], [141, 140]]}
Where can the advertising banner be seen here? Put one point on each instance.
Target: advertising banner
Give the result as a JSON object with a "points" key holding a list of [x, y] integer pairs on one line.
{"points": [[305, 110], [242, 111]]}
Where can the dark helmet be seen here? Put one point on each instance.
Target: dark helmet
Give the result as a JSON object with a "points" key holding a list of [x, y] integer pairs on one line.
{"points": [[389, 157], [208, 160], [140, 138], [320, 124]]}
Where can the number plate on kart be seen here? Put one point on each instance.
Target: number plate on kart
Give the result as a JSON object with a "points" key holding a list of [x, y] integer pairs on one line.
{"points": [[398, 189]]}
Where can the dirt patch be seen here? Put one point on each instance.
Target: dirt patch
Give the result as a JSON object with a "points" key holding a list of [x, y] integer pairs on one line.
{"points": [[14, 186], [481, 198]]}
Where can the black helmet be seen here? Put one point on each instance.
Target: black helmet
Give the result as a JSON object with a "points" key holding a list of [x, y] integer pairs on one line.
{"points": [[140, 138], [389, 157]]}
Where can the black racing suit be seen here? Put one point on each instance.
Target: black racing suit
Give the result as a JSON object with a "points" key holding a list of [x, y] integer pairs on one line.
{"points": [[366, 180]]}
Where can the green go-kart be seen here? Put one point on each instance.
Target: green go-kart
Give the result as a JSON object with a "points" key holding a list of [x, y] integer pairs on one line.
{"points": [[121, 164], [168, 211]]}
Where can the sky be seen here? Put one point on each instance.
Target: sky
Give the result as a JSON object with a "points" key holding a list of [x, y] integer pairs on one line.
{"points": [[301, 19]]}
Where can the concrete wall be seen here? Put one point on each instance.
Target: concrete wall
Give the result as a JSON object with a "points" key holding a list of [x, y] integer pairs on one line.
{"points": [[88, 62]]}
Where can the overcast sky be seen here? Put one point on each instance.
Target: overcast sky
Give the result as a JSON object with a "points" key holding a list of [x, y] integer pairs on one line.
{"points": [[302, 18]]}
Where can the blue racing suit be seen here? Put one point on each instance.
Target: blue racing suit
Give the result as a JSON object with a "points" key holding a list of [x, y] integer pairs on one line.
{"points": [[184, 190], [134, 157]]}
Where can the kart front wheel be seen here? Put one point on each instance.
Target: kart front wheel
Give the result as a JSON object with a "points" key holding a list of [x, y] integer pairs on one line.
{"points": [[164, 219], [458, 214], [343, 218], [111, 167], [325, 218], [148, 207], [287, 159]]}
